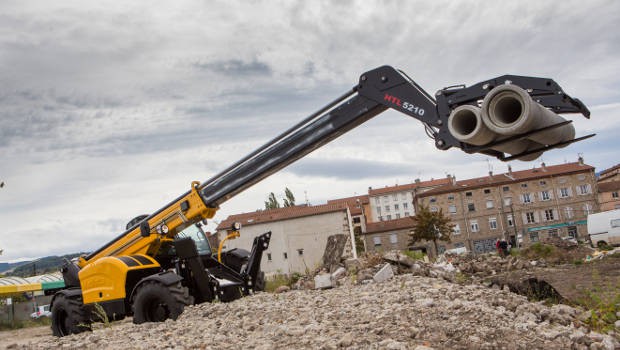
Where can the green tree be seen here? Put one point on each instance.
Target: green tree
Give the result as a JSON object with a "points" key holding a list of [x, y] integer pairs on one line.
{"points": [[289, 201], [430, 226], [272, 202]]}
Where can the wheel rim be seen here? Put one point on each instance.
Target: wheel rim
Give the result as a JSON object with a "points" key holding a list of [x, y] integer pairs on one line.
{"points": [[157, 311]]}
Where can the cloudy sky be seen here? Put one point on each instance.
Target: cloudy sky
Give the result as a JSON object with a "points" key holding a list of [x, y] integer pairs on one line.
{"points": [[110, 109]]}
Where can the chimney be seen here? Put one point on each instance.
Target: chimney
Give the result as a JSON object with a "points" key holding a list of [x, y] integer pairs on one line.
{"points": [[509, 170], [417, 181], [580, 160], [543, 166], [490, 173], [453, 180], [369, 188]]}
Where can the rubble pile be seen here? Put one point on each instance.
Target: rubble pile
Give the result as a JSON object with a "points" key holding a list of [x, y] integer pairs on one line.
{"points": [[404, 312]]}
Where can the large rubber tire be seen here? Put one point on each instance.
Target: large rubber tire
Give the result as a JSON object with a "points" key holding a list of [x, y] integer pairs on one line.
{"points": [[69, 316], [155, 302]]}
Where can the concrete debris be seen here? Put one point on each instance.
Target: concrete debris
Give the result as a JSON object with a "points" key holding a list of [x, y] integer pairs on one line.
{"points": [[384, 274], [333, 251], [323, 281], [407, 312]]}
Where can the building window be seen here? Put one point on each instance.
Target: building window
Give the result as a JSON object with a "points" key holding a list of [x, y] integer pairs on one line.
{"points": [[403, 196], [387, 208], [380, 218], [507, 201], [432, 200], [562, 180], [581, 177], [405, 205], [268, 256], [395, 196], [471, 207], [614, 194], [357, 220], [587, 209], [377, 241], [568, 212], [533, 236], [406, 213], [493, 223], [529, 217], [385, 199], [467, 194], [300, 252], [526, 198], [487, 191], [553, 232], [389, 217], [285, 256], [393, 238], [572, 231], [543, 182], [452, 209], [434, 209], [506, 188], [456, 229], [549, 215], [379, 210], [474, 225], [564, 192], [523, 185], [450, 197], [377, 201], [544, 195], [489, 203], [510, 220], [584, 189], [395, 206]]}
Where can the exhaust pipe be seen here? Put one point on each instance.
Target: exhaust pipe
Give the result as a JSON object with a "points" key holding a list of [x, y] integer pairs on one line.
{"points": [[466, 125], [509, 110]]}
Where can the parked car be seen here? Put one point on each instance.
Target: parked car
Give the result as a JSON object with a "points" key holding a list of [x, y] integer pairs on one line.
{"points": [[42, 311]]}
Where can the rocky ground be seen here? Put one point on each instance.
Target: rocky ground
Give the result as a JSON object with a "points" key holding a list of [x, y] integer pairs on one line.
{"points": [[380, 302], [405, 312]]}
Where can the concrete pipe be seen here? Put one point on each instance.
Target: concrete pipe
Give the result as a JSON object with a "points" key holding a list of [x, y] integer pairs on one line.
{"points": [[466, 125], [509, 110]]}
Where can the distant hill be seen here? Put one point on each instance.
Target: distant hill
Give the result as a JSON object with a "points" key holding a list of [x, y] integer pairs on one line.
{"points": [[41, 266]]}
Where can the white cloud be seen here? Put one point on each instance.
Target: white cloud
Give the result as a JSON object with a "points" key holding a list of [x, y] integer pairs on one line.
{"points": [[110, 110]]}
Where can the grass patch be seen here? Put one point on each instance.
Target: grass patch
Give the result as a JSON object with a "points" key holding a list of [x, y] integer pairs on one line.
{"points": [[43, 321], [603, 310], [414, 254], [272, 283]]}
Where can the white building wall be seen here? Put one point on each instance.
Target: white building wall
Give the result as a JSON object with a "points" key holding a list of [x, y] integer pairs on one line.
{"points": [[308, 234], [395, 204]]}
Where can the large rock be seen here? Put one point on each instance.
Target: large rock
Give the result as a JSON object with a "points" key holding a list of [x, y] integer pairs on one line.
{"points": [[384, 274], [333, 252], [323, 281]]}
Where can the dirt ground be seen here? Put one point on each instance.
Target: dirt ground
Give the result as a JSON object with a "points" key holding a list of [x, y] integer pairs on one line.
{"points": [[23, 335]]}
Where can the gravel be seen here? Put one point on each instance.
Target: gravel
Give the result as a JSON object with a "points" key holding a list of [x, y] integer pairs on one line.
{"points": [[406, 312]]}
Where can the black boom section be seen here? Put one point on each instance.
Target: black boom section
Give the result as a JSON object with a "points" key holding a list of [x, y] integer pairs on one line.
{"points": [[289, 147]]}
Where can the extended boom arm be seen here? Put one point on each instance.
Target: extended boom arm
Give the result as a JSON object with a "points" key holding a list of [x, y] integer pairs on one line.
{"points": [[378, 90]]}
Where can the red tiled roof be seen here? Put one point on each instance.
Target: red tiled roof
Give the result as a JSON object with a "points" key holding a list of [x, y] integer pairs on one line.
{"points": [[604, 172], [505, 178], [382, 226], [354, 206], [263, 216], [608, 186], [407, 187]]}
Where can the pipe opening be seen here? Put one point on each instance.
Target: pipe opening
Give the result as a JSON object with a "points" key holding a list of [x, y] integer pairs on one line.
{"points": [[507, 109], [464, 122]]}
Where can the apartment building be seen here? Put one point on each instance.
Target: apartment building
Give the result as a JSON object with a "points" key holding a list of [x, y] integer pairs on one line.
{"points": [[388, 235], [299, 235], [611, 174], [395, 202], [522, 207]]}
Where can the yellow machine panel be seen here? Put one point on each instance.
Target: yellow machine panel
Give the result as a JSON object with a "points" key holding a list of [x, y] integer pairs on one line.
{"points": [[104, 280]]}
